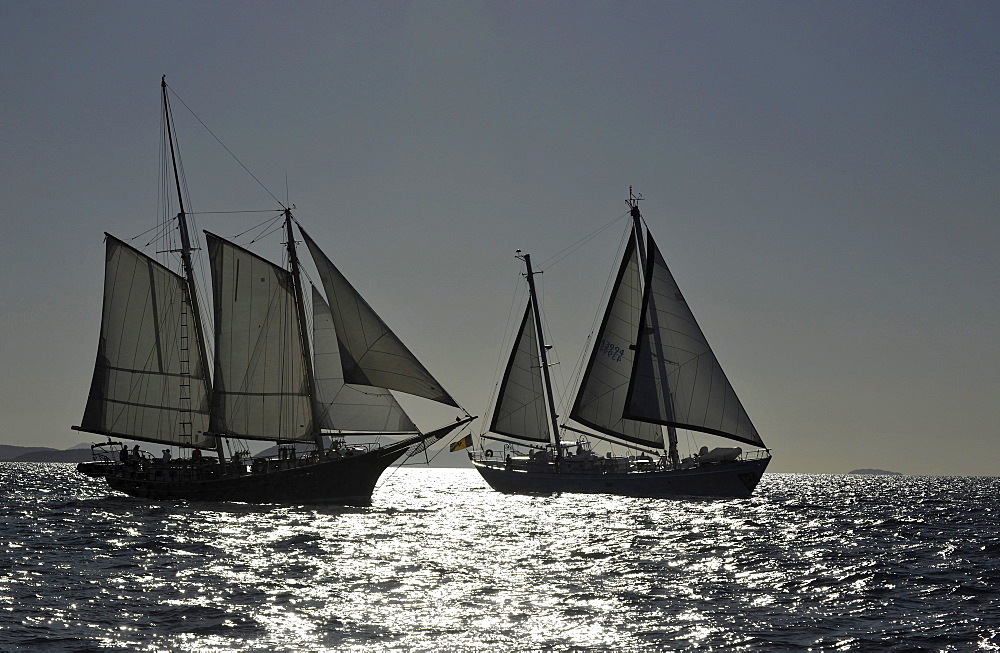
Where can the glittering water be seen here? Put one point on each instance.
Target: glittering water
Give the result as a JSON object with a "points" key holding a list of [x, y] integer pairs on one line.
{"points": [[440, 562]]}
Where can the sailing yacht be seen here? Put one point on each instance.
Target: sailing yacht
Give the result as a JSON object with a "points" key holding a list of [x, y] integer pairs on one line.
{"points": [[269, 377], [650, 370]]}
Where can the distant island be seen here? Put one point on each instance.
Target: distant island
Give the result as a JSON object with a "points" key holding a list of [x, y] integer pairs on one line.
{"points": [[77, 454], [876, 472]]}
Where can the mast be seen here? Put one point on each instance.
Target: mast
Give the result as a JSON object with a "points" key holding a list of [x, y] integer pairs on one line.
{"points": [[186, 252], [550, 403], [293, 261], [633, 204]]}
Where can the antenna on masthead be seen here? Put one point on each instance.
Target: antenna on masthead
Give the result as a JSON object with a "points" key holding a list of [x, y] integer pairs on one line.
{"points": [[633, 202]]}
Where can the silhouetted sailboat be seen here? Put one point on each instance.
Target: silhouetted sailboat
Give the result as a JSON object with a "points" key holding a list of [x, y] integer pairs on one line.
{"points": [[650, 367], [270, 380]]}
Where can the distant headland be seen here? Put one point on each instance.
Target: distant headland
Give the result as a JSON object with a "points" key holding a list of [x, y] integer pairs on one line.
{"points": [[12, 453], [876, 472]]}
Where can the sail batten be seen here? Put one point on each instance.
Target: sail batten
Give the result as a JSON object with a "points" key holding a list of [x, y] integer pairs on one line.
{"points": [[261, 386], [520, 410], [676, 378], [370, 352], [600, 400], [149, 381]]}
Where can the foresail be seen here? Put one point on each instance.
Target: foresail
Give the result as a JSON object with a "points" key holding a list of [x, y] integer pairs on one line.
{"points": [[520, 407], [370, 353], [677, 379], [149, 380], [343, 406], [600, 401], [261, 387]]}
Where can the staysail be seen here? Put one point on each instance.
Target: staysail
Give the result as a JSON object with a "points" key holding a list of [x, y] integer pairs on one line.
{"points": [[370, 353], [149, 380], [520, 408], [342, 406], [676, 378], [600, 401], [261, 387]]}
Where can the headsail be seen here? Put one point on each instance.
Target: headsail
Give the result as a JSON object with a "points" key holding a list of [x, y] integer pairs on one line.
{"points": [[520, 408], [261, 388], [600, 401], [370, 353], [677, 379], [149, 380], [343, 406]]}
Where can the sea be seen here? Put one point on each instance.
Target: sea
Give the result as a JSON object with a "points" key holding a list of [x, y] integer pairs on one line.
{"points": [[439, 562]]}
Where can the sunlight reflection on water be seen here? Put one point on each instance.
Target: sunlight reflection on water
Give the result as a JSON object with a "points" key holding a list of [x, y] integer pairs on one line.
{"points": [[440, 562]]}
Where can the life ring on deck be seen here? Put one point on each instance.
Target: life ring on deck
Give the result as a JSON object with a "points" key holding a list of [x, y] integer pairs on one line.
{"points": [[488, 453]]}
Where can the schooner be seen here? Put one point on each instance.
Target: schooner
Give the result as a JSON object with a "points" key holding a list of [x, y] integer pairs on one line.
{"points": [[270, 376]]}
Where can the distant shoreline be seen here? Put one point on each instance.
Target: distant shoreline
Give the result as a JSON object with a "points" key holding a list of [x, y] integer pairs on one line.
{"points": [[876, 472], [10, 453]]}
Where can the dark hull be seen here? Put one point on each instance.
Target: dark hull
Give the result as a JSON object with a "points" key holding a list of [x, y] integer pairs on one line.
{"points": [[346, 481], [727, 480]]}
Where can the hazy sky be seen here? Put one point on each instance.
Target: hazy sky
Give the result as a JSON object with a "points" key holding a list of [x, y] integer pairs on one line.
{"points": [[822, 178]]}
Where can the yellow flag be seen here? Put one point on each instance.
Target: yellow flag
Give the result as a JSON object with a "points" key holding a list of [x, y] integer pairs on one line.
{"points": [[461, 444]]}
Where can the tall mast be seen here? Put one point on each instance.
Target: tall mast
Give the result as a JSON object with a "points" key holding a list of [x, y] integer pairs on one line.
{"points": [[550, 403], [293, 261], [186, 252], [633, 204]]}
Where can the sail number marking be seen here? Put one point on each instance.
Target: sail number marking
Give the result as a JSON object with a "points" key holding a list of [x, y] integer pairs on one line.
{"points": [[612, 351]]}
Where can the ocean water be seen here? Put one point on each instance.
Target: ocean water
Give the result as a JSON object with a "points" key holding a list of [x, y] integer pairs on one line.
{"points": [[441, 563]]}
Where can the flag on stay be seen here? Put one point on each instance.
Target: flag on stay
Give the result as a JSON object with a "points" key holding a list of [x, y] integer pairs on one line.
{"points": [[464, 443]]}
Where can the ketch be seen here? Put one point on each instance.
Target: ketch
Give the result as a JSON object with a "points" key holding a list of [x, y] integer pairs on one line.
{"points": [[650, 369]]}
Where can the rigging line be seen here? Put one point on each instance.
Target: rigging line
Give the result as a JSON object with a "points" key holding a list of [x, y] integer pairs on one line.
{"points": [[266, 234], [560, 392], [259, 225], [153, 228], [385, 478], [244, 211], [308, 277], [203, 291], [235, 158], [598, 314], [562, 389], [566, 251], [442, 448], [160, 229]]}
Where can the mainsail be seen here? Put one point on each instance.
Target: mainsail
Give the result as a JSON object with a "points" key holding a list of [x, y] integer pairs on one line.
{"points": [[520, 408], [370, 353], [149, 380], [342, 406], [261, 387], [600, 401], [677, 379]]}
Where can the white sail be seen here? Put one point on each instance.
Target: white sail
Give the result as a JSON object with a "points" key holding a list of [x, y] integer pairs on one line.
{"points": [[370, 353], [600, 401], [520, 408], [342, 406], [149, 381], [261, 387], [677, 379]]}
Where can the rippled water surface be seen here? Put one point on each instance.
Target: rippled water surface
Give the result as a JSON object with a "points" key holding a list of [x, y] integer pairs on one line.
{"points": [[440, 562]]}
